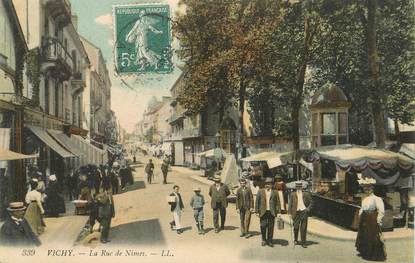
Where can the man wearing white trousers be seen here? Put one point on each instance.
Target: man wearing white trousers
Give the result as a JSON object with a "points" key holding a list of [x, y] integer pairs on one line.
{"points": [[176, 208]]}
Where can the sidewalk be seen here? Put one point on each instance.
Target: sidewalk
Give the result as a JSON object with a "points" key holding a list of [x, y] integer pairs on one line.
{"points": [[321, 228], [65, 229]]}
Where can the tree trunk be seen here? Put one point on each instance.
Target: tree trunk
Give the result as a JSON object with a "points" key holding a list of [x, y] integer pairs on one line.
{"points": [[377, 108], [241, 118], [298, 99]]}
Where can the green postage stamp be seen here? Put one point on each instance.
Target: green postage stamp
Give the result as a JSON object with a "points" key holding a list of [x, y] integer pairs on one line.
{"points": [[142, 38]]}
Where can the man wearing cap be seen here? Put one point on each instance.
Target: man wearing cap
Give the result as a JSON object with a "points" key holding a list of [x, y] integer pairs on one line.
{"points": [[244, 206], [15, 230], [299, 207], [197, 202], [267, 207], [219, 193]]}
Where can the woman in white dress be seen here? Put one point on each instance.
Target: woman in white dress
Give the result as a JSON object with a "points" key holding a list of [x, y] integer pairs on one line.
{"points": [[34, 209]]}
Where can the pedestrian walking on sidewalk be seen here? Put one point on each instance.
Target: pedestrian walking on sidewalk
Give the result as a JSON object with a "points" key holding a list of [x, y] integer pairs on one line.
{"points": [[197, 202], [176, 208], [299, 207], [16, 231], [114, 181], [369, 242], [34, 209], [165, 170], [54, 201], [244, 207], [219, 193], [267, 208], [93, 207], [106, 212], [149, 171]]}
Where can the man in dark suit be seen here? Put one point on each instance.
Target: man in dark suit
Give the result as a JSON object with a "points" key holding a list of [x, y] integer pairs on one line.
{"points": [[219, 193], [16, 231], [267, 207], [299, 207], [106, 212], [244, 206]]}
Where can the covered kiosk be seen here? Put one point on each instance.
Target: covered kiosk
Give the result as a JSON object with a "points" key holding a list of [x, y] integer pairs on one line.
{"points": [[337, 193]]}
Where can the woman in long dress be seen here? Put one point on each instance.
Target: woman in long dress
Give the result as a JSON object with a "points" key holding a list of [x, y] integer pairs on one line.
{"points": [[369, 242], [53, 199], [35, 209]]}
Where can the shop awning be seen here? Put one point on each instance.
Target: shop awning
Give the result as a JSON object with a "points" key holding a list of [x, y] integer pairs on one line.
{"points": [[213, 153], [94, 154], [66, 142], [50, 142], [7, 155], [273, 159], [384, 166]]}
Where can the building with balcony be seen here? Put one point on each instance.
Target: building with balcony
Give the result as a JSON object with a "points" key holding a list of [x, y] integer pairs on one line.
{"points": [[12, 51], [56, 74], [97, 96]]}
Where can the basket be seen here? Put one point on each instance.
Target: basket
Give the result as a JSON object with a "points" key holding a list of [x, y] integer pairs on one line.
{"points": [[171, 199]]}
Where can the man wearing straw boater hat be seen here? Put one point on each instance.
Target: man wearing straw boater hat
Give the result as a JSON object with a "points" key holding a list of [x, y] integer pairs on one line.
{"points": [[15, 230], [369, 241], [299, 207]]}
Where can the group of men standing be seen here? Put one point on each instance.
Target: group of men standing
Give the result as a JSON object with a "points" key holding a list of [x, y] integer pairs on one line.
{"points": [[266, 206]]}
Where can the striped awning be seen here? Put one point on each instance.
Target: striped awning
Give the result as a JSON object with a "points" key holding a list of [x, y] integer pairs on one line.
{"points": [[50, 142]]}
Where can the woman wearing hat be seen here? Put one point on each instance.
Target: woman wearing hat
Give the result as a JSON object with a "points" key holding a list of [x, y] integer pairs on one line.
{"points": [[369, 242], [16, 231], [35, 209], [53, 199]]}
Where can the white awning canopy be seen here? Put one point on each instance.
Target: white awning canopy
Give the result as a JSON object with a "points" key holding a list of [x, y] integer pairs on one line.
{"points": [[7, 155], [273, 159], [213, 153]]}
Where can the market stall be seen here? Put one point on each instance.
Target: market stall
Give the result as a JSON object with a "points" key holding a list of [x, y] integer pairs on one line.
{"points": [[210, 160], [337, 193]]}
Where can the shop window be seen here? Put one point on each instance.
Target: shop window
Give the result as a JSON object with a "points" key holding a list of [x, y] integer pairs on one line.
{"points": [[328, 123]]}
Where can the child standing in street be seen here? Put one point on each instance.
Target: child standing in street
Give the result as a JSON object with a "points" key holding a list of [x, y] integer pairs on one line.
{"points": [[197, 202]]}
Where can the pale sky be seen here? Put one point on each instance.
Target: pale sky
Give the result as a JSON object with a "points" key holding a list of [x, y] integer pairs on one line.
{"points": [[95, 23]]}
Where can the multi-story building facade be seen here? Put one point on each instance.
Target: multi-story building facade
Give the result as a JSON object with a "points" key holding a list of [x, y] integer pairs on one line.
{"points": [[97, 96], [53, 111], [12, 101]]}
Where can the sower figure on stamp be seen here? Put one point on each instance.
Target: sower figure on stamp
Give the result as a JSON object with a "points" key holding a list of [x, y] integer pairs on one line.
{"points": [[267, 208], [197, 202], [299, 207], [244, 206], [106, 212], [219, 193], [16, 231]]}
